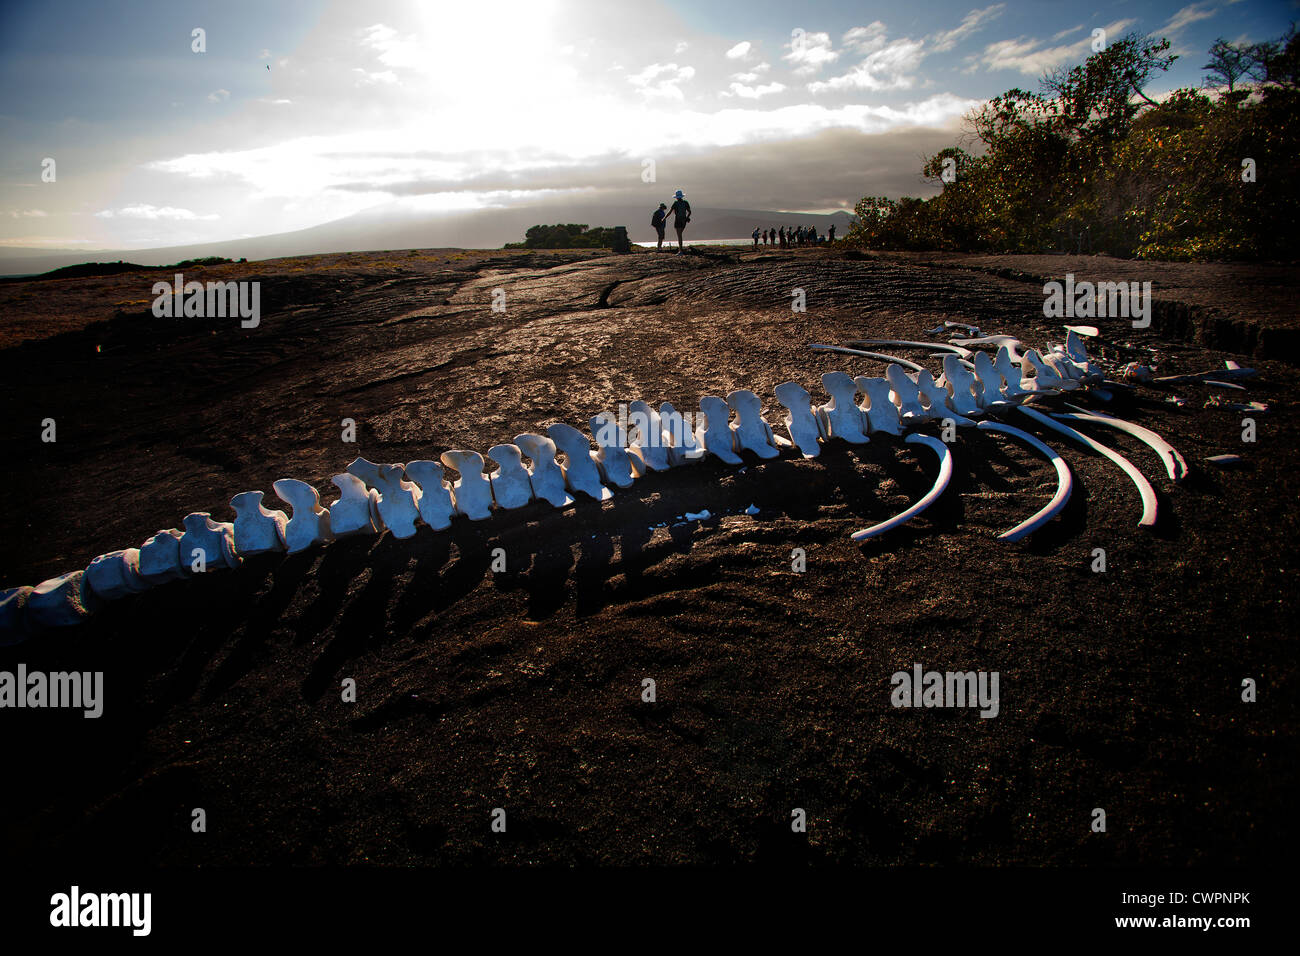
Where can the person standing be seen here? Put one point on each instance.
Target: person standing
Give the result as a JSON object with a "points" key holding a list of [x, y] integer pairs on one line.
{"points": [[660, 221], [830, 234], [681, 211], [755, 235]]}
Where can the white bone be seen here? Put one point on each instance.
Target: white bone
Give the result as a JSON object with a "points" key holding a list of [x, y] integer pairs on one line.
{"points": [[399, 500], [875, 355], [510, 485], [1076, 353], [1045, 378], [881, 413], [116, 574], [356, 510], [580, 470], [941, 483], [435, 504], [367, 471], [1144, 488], [1074, 347], [1090, 331], [841, 417], [13, 614], [309, 524], [215, 539], [396, 500], [618, 466], [940, 329], [940, 346], [1008, 342], [753, 433], [1063, 366], [908, 395], [938, 401], [61, 601], [160, 558], [801, 420], [1174, 463], [716, 434], [471, 493], [684, 449], [1010, 370], [988, 383], [647, 437], [1064, 482], [960, 383], [544, 474], [257, 529]]}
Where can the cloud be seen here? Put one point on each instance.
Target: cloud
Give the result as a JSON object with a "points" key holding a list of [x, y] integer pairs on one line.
{"points": [[740, 50], [392, 49], [866, 39], [387, 77], [146, 211], [946, 40], [1029, 57], [809, 52], [28, 214], [822, 169], [754, 92], [681, 47], [1187, 16], [660, 80], [749, 76], [351, 170], [1065, 33], [218, 96], [886, 69]]}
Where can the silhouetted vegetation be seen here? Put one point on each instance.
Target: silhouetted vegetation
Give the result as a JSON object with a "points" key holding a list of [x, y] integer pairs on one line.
{"points": [[1091, 164], [566, 236], [83, 269]]}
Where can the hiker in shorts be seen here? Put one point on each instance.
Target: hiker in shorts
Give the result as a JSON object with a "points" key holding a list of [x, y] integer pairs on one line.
{"points": [[681, 211], [660, 221]]}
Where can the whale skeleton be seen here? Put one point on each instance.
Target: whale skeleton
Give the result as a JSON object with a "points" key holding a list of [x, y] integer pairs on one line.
{"points": [[974, 389]]}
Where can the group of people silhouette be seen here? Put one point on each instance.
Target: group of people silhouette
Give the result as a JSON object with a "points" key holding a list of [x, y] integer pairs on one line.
{"points": [[791, 236], [783, 236]]}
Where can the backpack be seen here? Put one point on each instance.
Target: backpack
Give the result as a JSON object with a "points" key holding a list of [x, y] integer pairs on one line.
{"points": [[657, 218]]}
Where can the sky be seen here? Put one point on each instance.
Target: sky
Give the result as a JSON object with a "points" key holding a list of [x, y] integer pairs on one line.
{"points": [[299, 112]]}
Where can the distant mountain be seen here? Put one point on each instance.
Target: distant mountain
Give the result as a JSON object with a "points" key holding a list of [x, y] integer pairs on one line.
{"points": [[397, 226]]}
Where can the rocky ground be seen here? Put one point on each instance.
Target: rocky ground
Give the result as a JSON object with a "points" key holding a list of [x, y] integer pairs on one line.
{"points": [[522, 688]]}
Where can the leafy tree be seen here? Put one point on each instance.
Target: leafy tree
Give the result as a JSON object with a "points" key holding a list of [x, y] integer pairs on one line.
{"points": [[1278, 61], [1091, 163], [565, 236], [1229, 63]]}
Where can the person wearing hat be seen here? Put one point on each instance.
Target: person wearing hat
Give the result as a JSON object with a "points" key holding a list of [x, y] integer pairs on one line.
{"points": [[660, 221], [681, 211]]}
